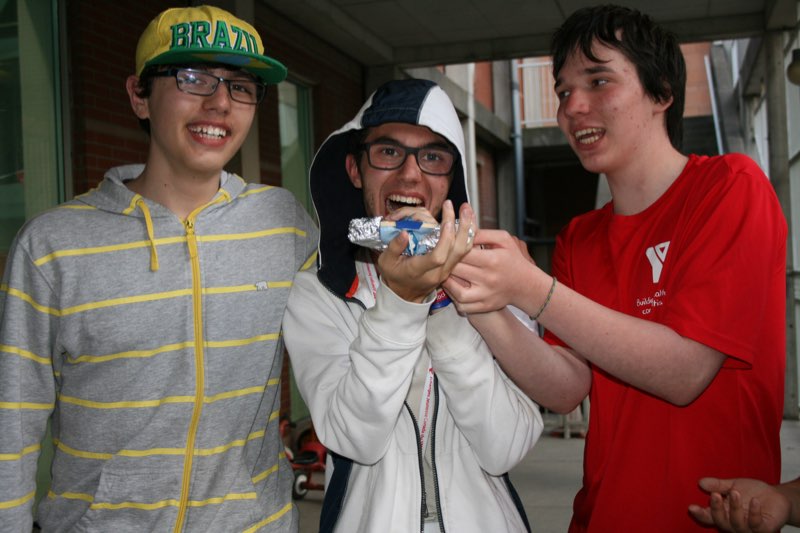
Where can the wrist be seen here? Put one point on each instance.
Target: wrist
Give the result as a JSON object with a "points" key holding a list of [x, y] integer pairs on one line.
{"points": [[791, 491], [404, 293], [546, 302]]}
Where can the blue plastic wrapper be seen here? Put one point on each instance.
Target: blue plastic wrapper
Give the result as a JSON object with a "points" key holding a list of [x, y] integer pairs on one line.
{"points": [[376, 233]]}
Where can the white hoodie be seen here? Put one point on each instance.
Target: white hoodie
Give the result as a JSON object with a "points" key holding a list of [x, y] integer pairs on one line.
{"points": [[354, 357]]}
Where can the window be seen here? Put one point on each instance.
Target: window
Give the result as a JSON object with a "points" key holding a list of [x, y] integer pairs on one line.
{"points": [[294, 116], [31, 173]]}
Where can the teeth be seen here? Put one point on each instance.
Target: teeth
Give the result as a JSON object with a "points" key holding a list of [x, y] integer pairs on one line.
{"points": [[408, 200], [588, 136], [209, 131]]}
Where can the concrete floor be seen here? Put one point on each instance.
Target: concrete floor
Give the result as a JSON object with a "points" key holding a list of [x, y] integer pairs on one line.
{"points": [[548, 479]]}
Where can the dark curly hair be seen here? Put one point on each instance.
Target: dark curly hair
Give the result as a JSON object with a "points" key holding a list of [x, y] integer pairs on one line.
{"points": [[653, 50]]}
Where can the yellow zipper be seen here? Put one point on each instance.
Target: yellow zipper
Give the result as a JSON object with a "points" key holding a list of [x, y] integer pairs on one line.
{"points": [[199, 364], [199, 357]]}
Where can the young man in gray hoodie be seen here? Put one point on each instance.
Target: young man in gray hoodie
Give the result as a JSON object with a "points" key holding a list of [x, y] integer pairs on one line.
{"points": [[421, 422], [144, 316]]}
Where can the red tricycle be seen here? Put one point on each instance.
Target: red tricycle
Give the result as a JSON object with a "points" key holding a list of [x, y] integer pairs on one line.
{"points": [[309, 458]]}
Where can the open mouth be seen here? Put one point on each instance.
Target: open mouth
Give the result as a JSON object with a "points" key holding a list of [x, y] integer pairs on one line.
{"points": [[397, 201], [209, 132], [588, 135]]}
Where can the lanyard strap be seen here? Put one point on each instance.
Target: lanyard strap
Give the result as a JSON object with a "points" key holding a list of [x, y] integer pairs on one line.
{"points": [[424, 407]]}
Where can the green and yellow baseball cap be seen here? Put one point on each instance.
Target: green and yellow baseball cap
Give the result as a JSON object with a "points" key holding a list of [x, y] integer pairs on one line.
{"points": [[205, 34]]}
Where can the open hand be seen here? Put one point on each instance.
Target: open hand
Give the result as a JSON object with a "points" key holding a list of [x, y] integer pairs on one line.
{"points": [[742, 505], [413, 278]]}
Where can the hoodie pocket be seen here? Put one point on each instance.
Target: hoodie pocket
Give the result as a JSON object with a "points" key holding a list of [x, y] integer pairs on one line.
{"points": [[133, 501]]}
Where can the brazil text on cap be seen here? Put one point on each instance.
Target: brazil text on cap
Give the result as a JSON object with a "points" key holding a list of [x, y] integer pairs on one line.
{"points": [[199, 34]]}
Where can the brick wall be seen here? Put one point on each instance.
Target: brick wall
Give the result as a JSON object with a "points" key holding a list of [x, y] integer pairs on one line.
{"points": [[698, 97], [102, 41], [484, 92]]}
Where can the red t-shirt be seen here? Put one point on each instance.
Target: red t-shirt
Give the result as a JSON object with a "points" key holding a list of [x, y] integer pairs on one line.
{"points": [[707, 259]]}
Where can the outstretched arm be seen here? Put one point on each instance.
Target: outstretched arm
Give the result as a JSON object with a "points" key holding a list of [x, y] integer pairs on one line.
{"points": [[747, 505], [553, 376], [648, 355]]}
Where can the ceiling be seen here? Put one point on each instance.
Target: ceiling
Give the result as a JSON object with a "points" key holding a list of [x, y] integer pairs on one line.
{"points": [[434, 32]]}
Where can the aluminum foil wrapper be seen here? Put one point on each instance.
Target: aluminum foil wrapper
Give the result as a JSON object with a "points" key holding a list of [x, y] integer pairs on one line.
{"points": [[376, 233]]}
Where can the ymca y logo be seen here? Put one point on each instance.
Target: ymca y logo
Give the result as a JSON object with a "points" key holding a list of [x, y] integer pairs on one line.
{"points": [[657, 255]]}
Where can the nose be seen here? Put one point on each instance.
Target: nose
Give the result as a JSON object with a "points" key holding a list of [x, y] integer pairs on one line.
{"points": [[220, 99], [575, 103], [410, 170]]}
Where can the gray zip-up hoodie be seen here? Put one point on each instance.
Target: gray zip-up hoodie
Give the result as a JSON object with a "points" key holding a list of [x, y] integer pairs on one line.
{"points": [[155, 344], [355, 347]]}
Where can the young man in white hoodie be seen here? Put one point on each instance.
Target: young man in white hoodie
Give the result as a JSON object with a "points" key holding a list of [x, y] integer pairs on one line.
{"points": [[145, 315], [422, 425]]}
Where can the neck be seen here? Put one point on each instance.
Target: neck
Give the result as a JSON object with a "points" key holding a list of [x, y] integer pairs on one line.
{"points": [[638, 186], [180, 193]]}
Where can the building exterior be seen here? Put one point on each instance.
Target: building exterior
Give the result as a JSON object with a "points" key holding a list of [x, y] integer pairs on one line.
{"points": [[758, 98], [67, 119]]}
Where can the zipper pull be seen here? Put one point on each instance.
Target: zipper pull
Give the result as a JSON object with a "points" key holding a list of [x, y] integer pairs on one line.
{"points": [[191, 238]]}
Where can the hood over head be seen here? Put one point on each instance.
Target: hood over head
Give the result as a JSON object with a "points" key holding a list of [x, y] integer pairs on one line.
{"points": [[337, 201]]}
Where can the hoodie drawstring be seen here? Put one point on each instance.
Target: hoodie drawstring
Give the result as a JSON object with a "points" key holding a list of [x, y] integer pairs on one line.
{"points": [[148, 222]]}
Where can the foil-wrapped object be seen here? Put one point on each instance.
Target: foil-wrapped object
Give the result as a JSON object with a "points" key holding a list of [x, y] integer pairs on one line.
{"points": [[376, 233]]}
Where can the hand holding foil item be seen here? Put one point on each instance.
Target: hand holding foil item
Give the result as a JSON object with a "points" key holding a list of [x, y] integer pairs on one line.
{"points": [[376, 233]]}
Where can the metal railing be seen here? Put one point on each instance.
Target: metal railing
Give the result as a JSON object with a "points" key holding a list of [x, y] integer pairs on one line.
{"points": [[539, 102]]}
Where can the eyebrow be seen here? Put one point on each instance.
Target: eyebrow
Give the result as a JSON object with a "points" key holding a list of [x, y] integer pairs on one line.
{"points": [[391, 140], [594, 69]]}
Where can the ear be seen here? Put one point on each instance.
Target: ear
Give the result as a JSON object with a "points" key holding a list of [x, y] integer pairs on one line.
{"points": [[138, 104], [353, 172], [663, 105]]}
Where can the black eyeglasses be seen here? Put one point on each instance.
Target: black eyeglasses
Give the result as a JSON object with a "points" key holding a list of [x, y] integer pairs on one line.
{"points": [[386, 155], [202, 83]]}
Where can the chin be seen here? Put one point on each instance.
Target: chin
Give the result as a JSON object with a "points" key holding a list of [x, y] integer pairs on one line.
{"points": [[591, 164]]}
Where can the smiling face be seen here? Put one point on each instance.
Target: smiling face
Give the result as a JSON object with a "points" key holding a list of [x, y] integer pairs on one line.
{"points": [[608, 119], [191, 134], [386, 191]]}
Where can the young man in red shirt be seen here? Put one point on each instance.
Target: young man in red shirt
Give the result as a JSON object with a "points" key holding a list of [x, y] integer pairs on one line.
{"points": [[669, 306]]}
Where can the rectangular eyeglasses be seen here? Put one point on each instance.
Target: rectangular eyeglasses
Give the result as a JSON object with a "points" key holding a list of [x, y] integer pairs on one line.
{"points": [[202, 83], [386, 155]]}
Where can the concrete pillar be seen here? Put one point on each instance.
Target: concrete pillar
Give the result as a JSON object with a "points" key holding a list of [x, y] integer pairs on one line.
{"points": [[779, 175], [468, 125]]}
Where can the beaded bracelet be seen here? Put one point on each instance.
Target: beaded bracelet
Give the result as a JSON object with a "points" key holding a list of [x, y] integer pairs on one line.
{"points": [[546, 300]]}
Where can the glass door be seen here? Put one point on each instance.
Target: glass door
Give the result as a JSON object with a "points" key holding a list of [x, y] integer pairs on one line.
{"points": [[31, 174]]}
